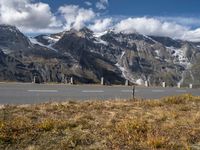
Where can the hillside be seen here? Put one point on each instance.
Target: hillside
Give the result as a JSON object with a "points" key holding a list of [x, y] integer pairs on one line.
{"points": [[87, 56], [169, 123]]}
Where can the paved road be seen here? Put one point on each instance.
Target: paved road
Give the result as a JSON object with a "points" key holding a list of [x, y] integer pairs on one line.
{"points": [[19, 93]]}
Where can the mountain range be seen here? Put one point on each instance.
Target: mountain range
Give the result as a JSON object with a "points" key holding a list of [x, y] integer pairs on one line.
{"points": [[87, 56]]}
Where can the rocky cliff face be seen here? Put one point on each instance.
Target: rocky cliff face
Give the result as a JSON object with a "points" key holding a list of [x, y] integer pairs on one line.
{"points": [[88, 56]]}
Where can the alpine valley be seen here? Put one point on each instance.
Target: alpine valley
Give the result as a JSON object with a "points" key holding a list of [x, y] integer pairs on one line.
{"points": [[88, 56]]}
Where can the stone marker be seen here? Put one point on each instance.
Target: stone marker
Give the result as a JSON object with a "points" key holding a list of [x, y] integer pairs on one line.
{"points": [[102, 80], [146, 84], [179, 85], [71, 80], [127, 83], [66, 80], [164, 84], [34, 79], [190, 86]]}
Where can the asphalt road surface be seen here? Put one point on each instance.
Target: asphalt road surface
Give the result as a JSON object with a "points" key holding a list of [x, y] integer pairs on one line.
{"points": [[27, 93]]}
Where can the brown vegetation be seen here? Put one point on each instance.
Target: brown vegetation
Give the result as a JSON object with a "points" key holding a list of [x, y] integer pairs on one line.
{"points": [[169, 123]]}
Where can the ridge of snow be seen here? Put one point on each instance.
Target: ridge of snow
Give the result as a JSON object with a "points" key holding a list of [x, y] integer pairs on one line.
{"points": [[99, 34], [35, 41], [149, 38], [100, 41], [5, 50], [98, 38], [126, 74], [51, 39]]}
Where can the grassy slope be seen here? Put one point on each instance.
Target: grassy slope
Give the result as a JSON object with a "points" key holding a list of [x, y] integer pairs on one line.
{"points": [[170, 123]]}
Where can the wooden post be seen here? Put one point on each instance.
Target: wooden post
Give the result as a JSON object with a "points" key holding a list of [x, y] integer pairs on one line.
{"points": [[102, 80], [133, 92]]}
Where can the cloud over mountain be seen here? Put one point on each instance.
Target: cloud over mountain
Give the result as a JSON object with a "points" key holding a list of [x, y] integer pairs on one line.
{"points": [[150, 26], [24, 13], [37, 17], [76, 17], [101, 25]]}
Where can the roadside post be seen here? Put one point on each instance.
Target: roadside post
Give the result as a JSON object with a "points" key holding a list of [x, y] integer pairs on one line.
{"points": [[71, 80], [66, 80], [127, 83], [102, 80], [190, 86], [179, 85], [133, 92], [164, 85], [34, 79], [146, 84]]}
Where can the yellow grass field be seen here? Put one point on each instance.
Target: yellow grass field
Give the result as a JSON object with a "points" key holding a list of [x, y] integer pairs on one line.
{"points": [[169, 123]]}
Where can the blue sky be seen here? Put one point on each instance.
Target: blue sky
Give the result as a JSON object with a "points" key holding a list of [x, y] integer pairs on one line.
{"points": [[140, 7], [178, 19]]}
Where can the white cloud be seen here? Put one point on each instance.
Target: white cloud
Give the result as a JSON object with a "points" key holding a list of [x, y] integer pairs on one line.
{"points": [[102, 4], [101, 25], [185, 21], [31, 17], [150, 26], [27, 15], [76, 17], [193, 35], [88, 3]]}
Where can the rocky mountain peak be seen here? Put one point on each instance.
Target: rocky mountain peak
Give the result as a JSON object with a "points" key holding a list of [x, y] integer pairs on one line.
{"points": [[167, 41], [86, 31], [82, 33], [11, 39], [8, 28], [88, 56]]}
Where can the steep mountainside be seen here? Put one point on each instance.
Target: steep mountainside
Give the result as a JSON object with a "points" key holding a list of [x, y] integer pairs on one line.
{"points": [[88, 56]]}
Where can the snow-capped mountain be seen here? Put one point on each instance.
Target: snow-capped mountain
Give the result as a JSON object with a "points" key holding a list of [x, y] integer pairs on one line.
{"points": [[88, 56]]}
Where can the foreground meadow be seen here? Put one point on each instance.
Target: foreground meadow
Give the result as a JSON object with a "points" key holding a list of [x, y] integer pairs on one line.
{"points": [[168, 123]]}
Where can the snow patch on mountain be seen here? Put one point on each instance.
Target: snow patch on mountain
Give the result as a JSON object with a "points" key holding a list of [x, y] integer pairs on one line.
{"points": [[157, 52], [35, 41], [181, 59], [5, 50], [52, 40], [98, 38], [179, 56], [149, 38], [126, 73], [99, 34], [100, 41], [123, 70]]}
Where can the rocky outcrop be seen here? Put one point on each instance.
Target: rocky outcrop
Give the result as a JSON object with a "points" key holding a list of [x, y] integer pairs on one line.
{"points": [[88, 56]]}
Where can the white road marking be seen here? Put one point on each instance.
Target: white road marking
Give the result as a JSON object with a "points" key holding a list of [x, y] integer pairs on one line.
{"points": [[93, 91], [128, 91], [181, 91], [43, 91], [158, 91]]}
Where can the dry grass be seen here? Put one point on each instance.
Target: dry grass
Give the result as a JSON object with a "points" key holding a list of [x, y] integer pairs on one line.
{"points": [[170, 123]]}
